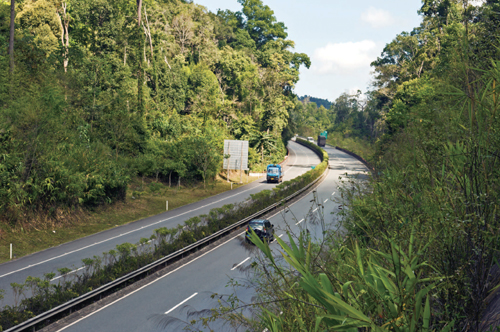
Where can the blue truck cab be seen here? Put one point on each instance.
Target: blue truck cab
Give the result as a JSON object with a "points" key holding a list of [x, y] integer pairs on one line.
{"points": [[274, 173]]}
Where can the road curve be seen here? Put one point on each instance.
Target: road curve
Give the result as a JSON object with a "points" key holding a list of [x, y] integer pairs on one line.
{"points": [[167, 302], [70, 254]]}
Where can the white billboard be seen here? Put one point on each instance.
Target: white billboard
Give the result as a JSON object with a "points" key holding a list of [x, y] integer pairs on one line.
{"points": [[236, 155]]}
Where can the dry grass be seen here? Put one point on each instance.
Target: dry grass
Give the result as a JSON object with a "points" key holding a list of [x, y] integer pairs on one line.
{"points": [[145, 198]]}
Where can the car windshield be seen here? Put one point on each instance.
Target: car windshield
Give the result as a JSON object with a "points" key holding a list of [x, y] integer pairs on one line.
{"points": [[256, 223], [272, 171]]}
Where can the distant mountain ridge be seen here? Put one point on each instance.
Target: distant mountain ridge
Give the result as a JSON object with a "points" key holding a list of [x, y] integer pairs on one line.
{"points": [[319, 102]]}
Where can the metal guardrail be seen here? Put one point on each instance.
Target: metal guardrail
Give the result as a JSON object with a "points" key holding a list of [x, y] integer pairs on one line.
{"points": [[93, 295]]}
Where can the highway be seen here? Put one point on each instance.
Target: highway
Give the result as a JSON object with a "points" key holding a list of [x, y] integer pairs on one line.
{"points": [[166, 303], [70, 254]]}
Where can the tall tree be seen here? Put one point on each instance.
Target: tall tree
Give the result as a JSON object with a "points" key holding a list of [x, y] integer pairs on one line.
{"points": [[139, 7], [11, 40], [140, 79], [64, 18], [261, 23]]}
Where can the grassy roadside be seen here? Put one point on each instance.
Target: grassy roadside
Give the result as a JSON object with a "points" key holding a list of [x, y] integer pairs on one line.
{"points": [[144, 199]]}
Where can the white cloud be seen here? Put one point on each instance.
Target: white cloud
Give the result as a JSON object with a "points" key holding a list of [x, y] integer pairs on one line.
{"points": [[344, 58], [377, 18], [477, 2]]}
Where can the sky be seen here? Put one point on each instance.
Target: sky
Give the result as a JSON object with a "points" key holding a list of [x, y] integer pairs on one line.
{"points": [[342, 38]]}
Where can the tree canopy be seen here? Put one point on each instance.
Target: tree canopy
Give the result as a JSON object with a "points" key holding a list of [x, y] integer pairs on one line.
{"points": [[104, 91]]}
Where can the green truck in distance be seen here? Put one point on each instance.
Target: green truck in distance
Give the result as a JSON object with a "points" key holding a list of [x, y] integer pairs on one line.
{"points": [[322, 138]]}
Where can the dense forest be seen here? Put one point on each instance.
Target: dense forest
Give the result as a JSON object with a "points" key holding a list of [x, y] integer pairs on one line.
{"points": [[96, 92], [420, 243]]}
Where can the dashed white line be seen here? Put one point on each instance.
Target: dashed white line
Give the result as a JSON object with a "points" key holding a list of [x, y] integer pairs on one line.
{"points": [[152, 282], [326, 200], [240, 263], [300, 221], [281, 235], [189, 298]]}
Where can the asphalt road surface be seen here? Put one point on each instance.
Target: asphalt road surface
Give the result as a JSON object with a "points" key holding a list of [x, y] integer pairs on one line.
{"points": [[165, 304], [70, 254]]}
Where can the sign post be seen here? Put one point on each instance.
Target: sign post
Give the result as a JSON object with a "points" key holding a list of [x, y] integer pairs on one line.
{"points": [[228, 149]]}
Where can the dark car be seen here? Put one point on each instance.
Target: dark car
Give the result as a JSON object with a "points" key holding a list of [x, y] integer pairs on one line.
{"points": [[263, 228]]}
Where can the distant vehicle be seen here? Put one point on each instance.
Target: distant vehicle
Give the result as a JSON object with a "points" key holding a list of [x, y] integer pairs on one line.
{"points": [[322, 138], [310, 139], [263, 228], [274, 173]]}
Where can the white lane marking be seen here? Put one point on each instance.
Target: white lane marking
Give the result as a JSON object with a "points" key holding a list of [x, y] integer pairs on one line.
{"points": [[240, 263], [326, 200], [280, 235], [316, 209], [189, 298], [67, 273], [300, 221], [152, 282], [115, 237], [132, 231], [333, 193]]}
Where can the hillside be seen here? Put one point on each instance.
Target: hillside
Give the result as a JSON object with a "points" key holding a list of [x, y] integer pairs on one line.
{"points": [[100, 92], [318, 101]]}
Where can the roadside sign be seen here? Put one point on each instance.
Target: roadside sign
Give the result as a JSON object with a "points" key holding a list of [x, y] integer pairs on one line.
{"points": [[238, 155]]}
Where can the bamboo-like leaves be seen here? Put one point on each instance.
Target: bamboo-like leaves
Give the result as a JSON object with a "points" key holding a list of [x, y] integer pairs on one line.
{"points": [[384, 295]]}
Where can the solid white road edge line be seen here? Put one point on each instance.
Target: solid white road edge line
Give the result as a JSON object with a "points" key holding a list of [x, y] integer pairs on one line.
{"points": [[240, 263], [189, 298], [152, 282]]}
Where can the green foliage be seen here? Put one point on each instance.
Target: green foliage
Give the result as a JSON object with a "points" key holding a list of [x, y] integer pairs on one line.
{"points": [[419, 243], [40, 19], [80, 116], [128, 257], [375, 290]]}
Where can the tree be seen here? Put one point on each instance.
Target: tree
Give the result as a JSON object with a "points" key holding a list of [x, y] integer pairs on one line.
{"points": [[205, 151], [261, 23], [183, 27], [11, 36], [40, 18], [263, 141], [65, 20]]}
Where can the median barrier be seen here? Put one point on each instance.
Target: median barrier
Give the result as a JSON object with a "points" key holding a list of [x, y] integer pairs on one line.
{"points": [[95, 295], [352, 154]]}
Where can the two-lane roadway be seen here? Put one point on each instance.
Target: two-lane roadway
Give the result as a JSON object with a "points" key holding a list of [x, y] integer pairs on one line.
{"points": [[167, 302], [70, 254]]}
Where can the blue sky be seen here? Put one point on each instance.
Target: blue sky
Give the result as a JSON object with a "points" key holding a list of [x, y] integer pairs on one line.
{"points": [[341, 37]]}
